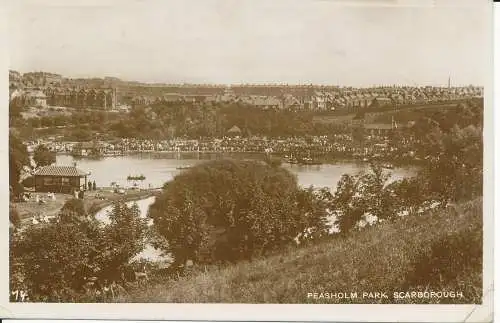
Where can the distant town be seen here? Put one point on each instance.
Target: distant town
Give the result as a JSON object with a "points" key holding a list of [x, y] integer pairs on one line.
{"points": [[49, 89]]}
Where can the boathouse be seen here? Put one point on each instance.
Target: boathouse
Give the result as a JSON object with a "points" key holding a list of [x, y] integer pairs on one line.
{"points": [[60, 179]]}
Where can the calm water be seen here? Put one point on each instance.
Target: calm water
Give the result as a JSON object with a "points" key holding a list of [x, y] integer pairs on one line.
{"points": [[160, 168], [149, 252]]}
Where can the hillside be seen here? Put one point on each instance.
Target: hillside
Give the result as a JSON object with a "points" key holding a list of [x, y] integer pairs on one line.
{"points": [[439, 251]]}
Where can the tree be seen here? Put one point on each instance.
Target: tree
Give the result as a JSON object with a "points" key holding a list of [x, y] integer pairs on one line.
{"points": [[362, 194], [18, 158], [231, 210], [52, 269], [43, 156], [72, 209], [120, 241]]}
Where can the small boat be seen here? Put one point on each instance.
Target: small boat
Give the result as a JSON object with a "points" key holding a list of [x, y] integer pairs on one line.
{"points": [[388, 166], [184, 167], [136, 178], [309, 161]]}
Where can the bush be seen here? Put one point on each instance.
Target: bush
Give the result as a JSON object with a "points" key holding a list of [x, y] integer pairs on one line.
{"points": [[43, 156], [363, 195], [52, 260], [73, 208], [230, 210], [29, 181]]}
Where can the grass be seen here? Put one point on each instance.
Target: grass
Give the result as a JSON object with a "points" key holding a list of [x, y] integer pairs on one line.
{"points": [[30, 208], [439, 251], [409, 114], [384, 115]]}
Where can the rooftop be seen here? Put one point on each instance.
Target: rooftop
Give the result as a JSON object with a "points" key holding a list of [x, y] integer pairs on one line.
{"points": [[68, 171]]}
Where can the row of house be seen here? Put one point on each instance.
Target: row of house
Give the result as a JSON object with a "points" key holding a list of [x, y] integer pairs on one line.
{"points": [[65, 97], [351, 99], [104, 98]]}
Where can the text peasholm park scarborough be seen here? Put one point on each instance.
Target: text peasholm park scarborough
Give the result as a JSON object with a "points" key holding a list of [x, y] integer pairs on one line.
{"points": [[310, 152]]}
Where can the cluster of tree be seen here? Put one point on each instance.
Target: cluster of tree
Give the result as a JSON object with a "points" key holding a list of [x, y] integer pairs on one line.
{"points": [[51, 269], [43, 156], [197, 121], [232, 210], [227, 211], [452, 170], [166, 120], [19, 160]]}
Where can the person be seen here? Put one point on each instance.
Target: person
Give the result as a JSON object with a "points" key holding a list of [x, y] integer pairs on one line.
{"points": [[94, 187], [90, 186]]}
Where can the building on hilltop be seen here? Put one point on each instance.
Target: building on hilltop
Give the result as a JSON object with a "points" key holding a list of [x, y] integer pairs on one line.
{"points": [[82, 98], [28, 98]]}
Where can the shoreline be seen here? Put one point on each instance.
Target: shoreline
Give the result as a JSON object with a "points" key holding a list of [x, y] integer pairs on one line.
{"points": [[127, 197], [322, 161], [92, 204]]}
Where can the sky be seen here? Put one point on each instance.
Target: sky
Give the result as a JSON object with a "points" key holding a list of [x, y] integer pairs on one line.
{"points": [[335, 42]]}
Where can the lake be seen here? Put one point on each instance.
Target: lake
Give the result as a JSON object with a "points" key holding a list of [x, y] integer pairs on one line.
{"points": [[159, 168], [163, 167]]}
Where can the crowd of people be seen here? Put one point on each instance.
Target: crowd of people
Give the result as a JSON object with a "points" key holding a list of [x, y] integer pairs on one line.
{"points": [[337, 145]]}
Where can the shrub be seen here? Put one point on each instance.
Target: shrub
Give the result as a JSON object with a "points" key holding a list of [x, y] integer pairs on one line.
{"points": [[230, 210], [43, 156], [73, 208], [29, 181], [52, 260], [362, 195]]}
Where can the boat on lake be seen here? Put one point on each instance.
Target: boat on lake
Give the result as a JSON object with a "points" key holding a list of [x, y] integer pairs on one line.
{"points": [[184, 167], [309, 161], [388, 166]]}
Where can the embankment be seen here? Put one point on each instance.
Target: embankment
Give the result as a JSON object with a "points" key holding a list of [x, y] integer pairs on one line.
{"points": [[437, 252]]}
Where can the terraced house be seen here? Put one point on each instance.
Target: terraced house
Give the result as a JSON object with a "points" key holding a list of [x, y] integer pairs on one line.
{"points": [[81, 98]]}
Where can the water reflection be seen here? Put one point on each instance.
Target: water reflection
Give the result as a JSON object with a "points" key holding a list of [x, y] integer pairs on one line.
{"points": [[159, 168]]}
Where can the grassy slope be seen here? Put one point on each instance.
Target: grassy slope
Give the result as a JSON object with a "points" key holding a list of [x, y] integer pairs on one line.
{"points": [[437, 251]]}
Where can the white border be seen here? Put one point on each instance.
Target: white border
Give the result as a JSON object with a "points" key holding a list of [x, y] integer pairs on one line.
{"points": [[239, 312]]}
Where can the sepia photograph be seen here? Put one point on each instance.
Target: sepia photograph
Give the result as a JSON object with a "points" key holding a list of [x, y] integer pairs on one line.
{"points": [[249, 152]]}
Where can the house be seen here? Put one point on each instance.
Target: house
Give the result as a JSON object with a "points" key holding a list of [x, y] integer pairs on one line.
{"points": [[291, 103], [172, 98], [102, 98], [379, 102], [85, 149], [60, 179], [35, 98], [262, 102]]}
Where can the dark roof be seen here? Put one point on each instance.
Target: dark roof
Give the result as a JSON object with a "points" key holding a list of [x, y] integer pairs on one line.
{"points": [[69, 171]]}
